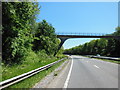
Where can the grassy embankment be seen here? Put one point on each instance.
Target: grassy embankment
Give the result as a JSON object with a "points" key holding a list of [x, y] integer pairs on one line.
{"points": [[31, 62]]}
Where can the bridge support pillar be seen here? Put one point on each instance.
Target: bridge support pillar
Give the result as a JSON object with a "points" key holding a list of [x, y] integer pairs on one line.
{"points": [[63, 39]]}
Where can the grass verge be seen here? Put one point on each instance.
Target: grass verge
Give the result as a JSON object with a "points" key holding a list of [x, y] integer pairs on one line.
{"points": [[31, 81], [117, 62], [31, 62]]}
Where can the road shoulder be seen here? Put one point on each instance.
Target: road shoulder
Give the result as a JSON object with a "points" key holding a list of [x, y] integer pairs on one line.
{"points": [[44, 83], [58, 81]]}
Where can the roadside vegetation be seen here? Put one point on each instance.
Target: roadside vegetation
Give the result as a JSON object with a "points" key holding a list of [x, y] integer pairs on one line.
{"points": [[31, 62], [30, 82], [104, 47], [26, 44]]}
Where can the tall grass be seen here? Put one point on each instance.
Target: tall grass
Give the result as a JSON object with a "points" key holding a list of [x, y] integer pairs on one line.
{"points": [[30, 62], [31, 81]]}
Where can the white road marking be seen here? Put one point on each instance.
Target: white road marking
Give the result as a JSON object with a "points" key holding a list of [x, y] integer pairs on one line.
{"points": [[96, 66], [68, 77], [105, 62]]}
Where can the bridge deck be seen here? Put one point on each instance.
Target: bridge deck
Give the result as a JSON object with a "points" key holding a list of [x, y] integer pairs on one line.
{"points": [[87, 36]]}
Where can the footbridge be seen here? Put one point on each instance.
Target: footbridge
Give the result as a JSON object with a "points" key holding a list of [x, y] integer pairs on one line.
{"points": [[64, 36]]}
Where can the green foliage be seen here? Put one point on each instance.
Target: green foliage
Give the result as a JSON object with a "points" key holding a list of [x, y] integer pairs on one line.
{"points": [[45, 38], [17, 19], [31, 81], [117, 31], [32, 61], [26, 44], [21, 33], [106, 47]]}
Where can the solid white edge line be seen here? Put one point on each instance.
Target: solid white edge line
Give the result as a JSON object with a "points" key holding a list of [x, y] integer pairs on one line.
{"points": [[68, 77]]}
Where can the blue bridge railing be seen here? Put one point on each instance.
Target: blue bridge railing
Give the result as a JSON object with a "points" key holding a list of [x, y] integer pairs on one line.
{"points": [[83, 34]]}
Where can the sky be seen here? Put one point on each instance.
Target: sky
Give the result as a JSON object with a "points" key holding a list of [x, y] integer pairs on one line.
{"points": [[80, 17]]}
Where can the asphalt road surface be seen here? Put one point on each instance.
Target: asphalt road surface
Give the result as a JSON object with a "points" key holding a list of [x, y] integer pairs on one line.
{"points": [[83, 72]]}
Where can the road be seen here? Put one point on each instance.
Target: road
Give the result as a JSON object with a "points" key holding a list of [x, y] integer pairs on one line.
{"points": [[83, 72]]}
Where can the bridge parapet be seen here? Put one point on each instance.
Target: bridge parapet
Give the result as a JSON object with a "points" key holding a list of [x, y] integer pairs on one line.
{"points": [[82, 34]]}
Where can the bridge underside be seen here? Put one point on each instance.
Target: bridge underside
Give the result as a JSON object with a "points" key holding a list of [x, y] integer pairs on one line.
{"points": [[63, 38]]}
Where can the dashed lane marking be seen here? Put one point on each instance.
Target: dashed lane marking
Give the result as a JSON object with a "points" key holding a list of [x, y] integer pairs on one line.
{"points": [[96, 66]]}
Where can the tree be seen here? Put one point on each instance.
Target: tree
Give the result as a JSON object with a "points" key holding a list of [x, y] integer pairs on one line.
{"points": [[107, 47], [45, 38], [17, 18]]}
